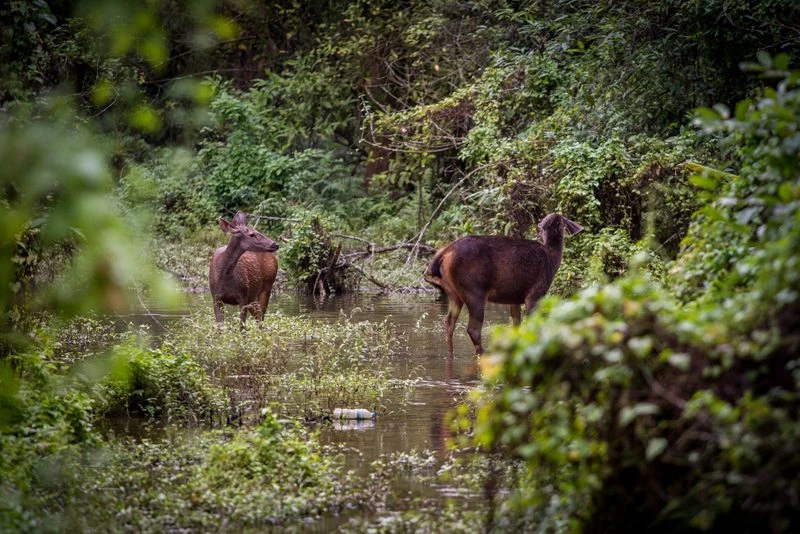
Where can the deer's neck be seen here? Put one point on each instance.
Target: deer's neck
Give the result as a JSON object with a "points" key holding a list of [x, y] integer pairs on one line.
{"points": [[554, 241], [231, 257]]}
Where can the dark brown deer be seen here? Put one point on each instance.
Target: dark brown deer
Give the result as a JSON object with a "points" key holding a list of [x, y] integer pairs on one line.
{"points": [[243, 271], [506, 270]]}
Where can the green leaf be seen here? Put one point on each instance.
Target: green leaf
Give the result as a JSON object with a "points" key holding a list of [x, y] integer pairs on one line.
{"points": [[764, 58], [781, 61], [741, 110], [680, 360], [785, 192], [641, 346], [655, 447], [707, 113], [224, 27], [703, 182], [629, 413], [145, 118], [749, 66], [102, 92], [723, 110]]}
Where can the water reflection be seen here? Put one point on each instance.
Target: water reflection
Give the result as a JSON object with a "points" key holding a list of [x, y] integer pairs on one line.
{"points": [[353, 424]]}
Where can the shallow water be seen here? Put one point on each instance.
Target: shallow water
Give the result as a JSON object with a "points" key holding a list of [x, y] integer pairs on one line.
{"points": [[441, 382], [422, 355]]}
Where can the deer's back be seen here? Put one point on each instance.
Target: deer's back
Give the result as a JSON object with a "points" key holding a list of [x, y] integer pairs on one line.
{"points": [[253, 274], [503, 269]]}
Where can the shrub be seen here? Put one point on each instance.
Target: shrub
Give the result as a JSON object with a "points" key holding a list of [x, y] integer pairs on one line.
{"points": [[633, 407], [158, 383], [308, 254]]}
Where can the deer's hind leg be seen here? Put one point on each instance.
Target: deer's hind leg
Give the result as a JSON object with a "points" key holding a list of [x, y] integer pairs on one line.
{"points": [[454, 305], [218, 310], [243, 309], [476, 306]]}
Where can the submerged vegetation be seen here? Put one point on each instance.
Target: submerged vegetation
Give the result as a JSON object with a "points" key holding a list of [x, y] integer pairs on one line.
{"points": [[656, 388], [310, 367]]}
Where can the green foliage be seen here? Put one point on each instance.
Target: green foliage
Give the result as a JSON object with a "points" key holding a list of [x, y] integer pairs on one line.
{"points": [[142, 86], [751, 221], [56, 202], [626, 398], [310, 367], [157, 383], [303, 482], [173, 185], [34, 42], [614, 252], [42, 421], [307, 254], [78, 338], [582, 170], [254, 478]]}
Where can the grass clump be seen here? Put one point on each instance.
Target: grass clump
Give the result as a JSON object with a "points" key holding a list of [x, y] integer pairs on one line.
{"points": [[310, 367]]}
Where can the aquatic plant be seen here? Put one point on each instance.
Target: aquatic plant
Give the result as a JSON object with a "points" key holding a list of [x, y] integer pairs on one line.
{"points": [[268, 475], [158, 383], [309, 366]]}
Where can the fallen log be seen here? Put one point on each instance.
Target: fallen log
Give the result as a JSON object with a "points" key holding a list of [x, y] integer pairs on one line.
{"points": [[382, 285], [422, 248]]}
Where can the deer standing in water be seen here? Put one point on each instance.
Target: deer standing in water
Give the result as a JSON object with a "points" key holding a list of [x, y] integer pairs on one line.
{"points": [[243, 271], [506, 270]]}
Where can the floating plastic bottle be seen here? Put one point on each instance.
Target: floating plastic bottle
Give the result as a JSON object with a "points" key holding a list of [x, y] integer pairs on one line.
{"points": [[357, 413]]}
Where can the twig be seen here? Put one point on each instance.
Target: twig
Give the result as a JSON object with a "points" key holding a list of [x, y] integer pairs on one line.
{"points": [[361, 254], [382, 285], [292, 219], [146, 309], [354, 238], [661, 391]]}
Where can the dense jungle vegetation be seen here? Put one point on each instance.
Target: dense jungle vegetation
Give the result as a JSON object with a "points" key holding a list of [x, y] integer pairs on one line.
{"points": [[657, 387]]}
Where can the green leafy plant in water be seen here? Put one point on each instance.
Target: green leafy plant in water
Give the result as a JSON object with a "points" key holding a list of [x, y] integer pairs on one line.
{"points": [[274, 474], [160, 383], [310, 366]]}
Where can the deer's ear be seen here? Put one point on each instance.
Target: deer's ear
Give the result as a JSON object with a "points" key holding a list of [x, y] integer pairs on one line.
{"points": [[240, 219], [572, 227], [225, 226]]}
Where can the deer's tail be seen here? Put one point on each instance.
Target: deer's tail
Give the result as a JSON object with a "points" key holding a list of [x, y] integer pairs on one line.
{"points": [[433, 274]]}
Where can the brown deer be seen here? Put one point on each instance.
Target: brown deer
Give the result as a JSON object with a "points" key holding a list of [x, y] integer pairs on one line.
{"points": [[243, 271], [506, 270]]}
